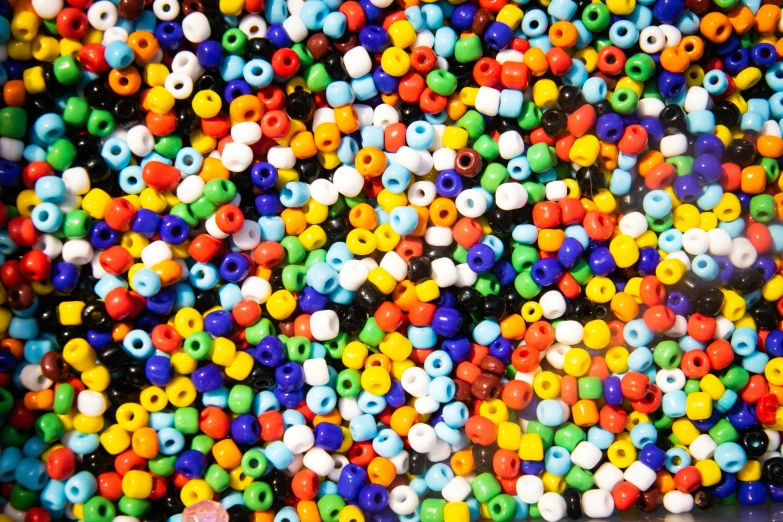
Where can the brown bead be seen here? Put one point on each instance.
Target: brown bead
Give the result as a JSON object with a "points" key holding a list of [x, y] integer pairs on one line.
{"points": [[20, 296], [130, 9], [486, 386], [698, 6], [481, 21], [467, 163], [463, 393], [54, 367], [287, 328], [650, 500], [318, 45], [493, 365], [346, 43], [191, 6]]}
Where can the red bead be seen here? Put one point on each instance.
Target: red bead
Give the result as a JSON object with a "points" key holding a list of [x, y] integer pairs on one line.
{"points": [[572, 211], [546, 214], [687, 479], [539, 135], [217, 126], [539, 336], [165, 338], [229, 219], [652, 292], [72, 23], [37, 514], [204, 247], [515, 75], [720, 354], [568, 286], [389, 317], [650, 402], [275, 124], [506, 463], [302, 327], [361, 453], [61, 464], [611, 60], [161, 124], [467, 232], [272, 426], [559, 61], [214, 422], [625, 496], [731, 177], [563, 150], [701, 327], [423, 59], [120, 214], [35, 265], [411, 87], [22, 232], [481, 430], [612, 418], [756, 388], [246, 312], [119, 304], [634, 140], [161, 177], [759, 236], [35, 171], [660, 176], [285, 62], [432, 102], [659, 318], [305, 484], [598, 225], [394, 136], [695, 364], [634, 385], [520, 44], [129, 461], [582, 120], [766, 408], [516, 394], [272, 98], [268, 254], [110, 485], [487, 72], [92, 57]]}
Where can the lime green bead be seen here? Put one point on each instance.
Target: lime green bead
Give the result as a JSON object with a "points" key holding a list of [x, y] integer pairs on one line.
{"points": [[533, 511], [579, 478], [169, 146], [49, 427], [133, 507], [624, 101], [536, 192], [356, 200], [581, 272], [596, 17], [198, 346], [523, 257], [234, 41], [460, 254], [546, 433], [13, 122], [202, 443], [184, 211], [568, 436], [762, 208], [494, 176], [526, 286], [487, 148], [502, 508], [530, 117], [220, 191], [306, 59], [735, 378], [771, 168], [371, 334], [691, 386], [487, 284], [186, 420], [667, 355], [256, 332], [473, 122], [315, 257], [67, 70], [76, 112], [329, 507], [294, 250], [682, 164], [723, 431], [298, 349], [202, 208], [293, 278], [162, 465], [240, 399], [61, 154], [348, 383], [258, 496], [317, 78], [590, 388], [485, 487], [468, 49], [100, 123], [98, 509], [659, 225], [442, 82], [335, 347], [254, 463], [640, 67], [77, 224]]}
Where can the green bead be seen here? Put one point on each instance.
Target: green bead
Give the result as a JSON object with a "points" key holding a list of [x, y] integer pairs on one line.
{"points": [[659, 225], [99, 509], [51, 26], [240, 398], [77, 224], [682, 164], [329, 507], [184, 211], [579, 478], [762, 208], [169, 146], [133, 507], [536, 192], [460, 254], [502, 508], [485, 487], [661, 421], [523, 257], [67, 70], [581, 272], [748, 40], [511, 372], [525, 285], [494, 176], [317, 78], [442, 82], [468, 49], [731, 499], [76, 112], [590, 388], [49, 427], [691, 386], [640, 67], [298, 349], [294, 250], [256, 332], [530, 117], [667, 355], [7, 400], [202, 443], [735, 378], [546, 433], [348, 383], [12, 436], [569, 435], [61, 154], [293, 277], [725, 4], [650, 90], [24, 499], [198, 346], [596, 17], [220, 191], [674, 440], [186, 420], [305, 56], [100, 123], [601, 42], [487, 148], [356, 200], [624, 101], [335, 347], [13, 122], [234, 41], [771, 168], [202, 208], [533, 511], [487, 284], [723, 431], [473, 122], [371, 334], [254, 463], [314, 257], [258, 496], [162, 465], [339, 207]]}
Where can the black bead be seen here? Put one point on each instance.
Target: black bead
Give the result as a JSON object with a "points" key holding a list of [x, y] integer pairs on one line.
{"points": [[603, 107], [260, 48], [276, 280], [709, 302], [506, 124], [673, 119], [113, 356], [47, 316], [570, 97], [554, 121], [281, 484], [368, 297], [186, 119], [98, 95], [98, 461], [755, 442], [205, 299], [499, 220], [765, 315], [261, 377], [127, 112], [96, 168], [53, 86], [436, 252], [120, 394], [333, 63], [704, 499], [65, 335], [309, 170], [727, 114], [210, 80], [740, 152], [468, 299], [746, 281], [483, 456], [352, 319], [135, 375], [300, 106], [691, 286], [419, 269], [772, 471], [494, 306], [410, 112], [336, 228], [239, 513], [514, 301], [94, 316], [579, 309], [591, 180], [417, 463], [573, 502]]}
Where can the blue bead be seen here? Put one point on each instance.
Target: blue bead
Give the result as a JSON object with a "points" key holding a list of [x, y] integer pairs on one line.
{"points": [[191, 464], [445, 41], [546, 272], [433, 16], [557, 461], [498, 35], [458, 348], [594, 90], [118, 54], [328, 437], [10, 458], [80, 487], [726, 487], [322, 277], [670, 84], [485, 332], [751, 493], [534, 23], [207, 378], [624, 34], [363, 427], [549, 412]]}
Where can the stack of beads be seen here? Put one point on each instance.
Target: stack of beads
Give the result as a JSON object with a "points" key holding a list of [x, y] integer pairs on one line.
{"points": [[350, 261]]}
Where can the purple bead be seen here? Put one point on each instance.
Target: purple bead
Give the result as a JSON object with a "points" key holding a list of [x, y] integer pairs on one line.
{"points": [[505, 273], [170, 35], [99, 338], [498, 35], [709, 422], [374, 14], [737, 61], [727, 269], [613, 394], [532, 467], [742, 415], [462, 17], [678, 303], [667, 11], [163, 302], [774, 343], [446, 299], [446, 322], [766, 267], [707, 168], [763, 55], [269, 204], [570, 252], [245, 429], [276, 34], [384, 82], [7, 361], [744, 199], [610, 127], [670, 84], [207, 378], [270, 351], [289, 376], [481, 258], [65, 277], [687, 188], [289, 399], [729, 46], [775, 493], [395, 397]]}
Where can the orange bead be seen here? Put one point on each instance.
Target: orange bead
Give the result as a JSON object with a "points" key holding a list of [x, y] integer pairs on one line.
{"points": [[144, 45], [563, 34], [145, 442], [675, 59], [585, 413], [753, 179], [767, 18], [363, 216], [14, 93], [246, 108], [550, 239], [769, 146], [125, 82], [303, 145], [717, 28], [624, 306], [443, 212], [226, 454], [693, 47], [742, 19], [381, 471], [346, 118], [536, 60], [327, 137], [370, 162]]}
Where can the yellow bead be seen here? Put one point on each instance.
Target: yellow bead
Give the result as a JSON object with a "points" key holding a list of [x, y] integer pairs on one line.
{"points": [[698, 406], [399, 367], [376, 380], [545, 95], [711, 385], [724, 134], [313, 238], [315, 213], [96, 378], [694, 76], [396, 346], [624, 251], [455, 138], [132, 416], [600, 290], [281, 304], [95, 203], [750, 472], [605, 201], [427, 291], [511, 15], [468, 95], [206, 104], [670, 271], [532, 311], [351, 514], [685, 431], [708, 221], [328, 160], [183, 363], [734, 305], [495, 410], [621, 453], [710, 472], [114, 439], [455, 512], [546, 385], [553, 483], [24, 26], [531, 447], [153, 200], [70, 312], [231, 7], [617, 359], [354, 355], [621, 7], [137, 484], [395, 62], [88, 424], [585, 150], [26, 201], [155, 74], [773, 371], [749, 77], [159, 100], [181, 392], [589, 56], [647, 239], [509, 436], [402, 34], [386, 239], [153, 399], [728, 208], [203, 143], [68, 46], [45, 48], [80, 355], [241, 367], [686, 217], [224, 351], [134, 243], [195, 491], [773, 289], [34, 81], [188, 321], [388, 200], [576, 362], [596, 334]]}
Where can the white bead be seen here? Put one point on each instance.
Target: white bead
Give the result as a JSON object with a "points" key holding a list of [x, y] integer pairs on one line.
{"points": [[586, 455], [357, 62], [465, 276], [437, 142], [569, 332], [438, 236], [11, 149], [528, 377], [510, 196], [509, 55], [408, 158], [510, 144], [364, 113], [768, 455], [254, 26], [395, 265], [295, 6], [323, 115], [771, 128], [552, 506], [640, 475], [682, 256], [179, 84], [424, 38], [49, 245], [633, 224], [281, 157], [33, 378], [556, 190], [723, 327], [471, 203], [672, 34], [77, 252], [674, 145], [530, 488], [670, 380], [742, 254], [553, 304], [91, 403], [47, 9], [316, 372], [190, 189], [165, 10], [125, 519], [186, 62], [415, 381], [440, 452], [140, 140], [256, 289], [370, 263], [597, 503], [248, 237], [702, 447], [720, 242], [295, 28], [651, 40], [443, 159], [456, 490], [18, 516], [677, 502], [324, 325], [97, 269], [488, 101], [246, 132], [212, 229], [299, 438], [695, 241], [650, 107], [196, 28], [425, 405], [774, 439], [349, 408], [608, 476], [296, 464], [353, 275], [77, 181], [382, 4], [348, 181], [69, 202], [422, 193], [237, 157], [422, 438], [340, 461], [323, 192], [403, 500], [426, 163], [697, 99], [555, 355], [319, 461], [102, 15], [444, 272], [384, 115], [401, 462], [156, 252]]}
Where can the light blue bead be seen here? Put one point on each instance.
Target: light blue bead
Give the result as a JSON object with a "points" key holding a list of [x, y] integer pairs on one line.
{"points": [[231, 499], [445, 41], [321, 399], [118, 54], [338, 254], [670, 240], [272, 228], [547, 176], [734, 228], [549, 412], [231, 67], [276, 11], [620, 183], [138, 344], [730, 457], [776, 231], [643, 434], [415, 18], [437, 118], [372, 136], [673, 404], [455, 415], [47, 217], [751, 299], [154, 156], [387, 443], [583, 35], [579, 233], [774, 76], [322, 277], [557, 461], [116, 153], [715, 82], [363, 427], [776, 105], [170, 441], [705, 267], [372, 404], [534, 23], [364, 87], [594, 90], [761, 106], [438, 364], [82, 443], [577, 75], [295, 194], [438, 476], [313, 13], [287, 514], [265, 401], [519, 168], [217, 398], [755, 362], [258, 73], [743, 340], [33, 153], [623, 34], [676, 459], [486, 332], [203, 276], [562, 9], [9, 460], [189, 161], [347, 150], [510, 103], [752, 122], [339, 94], [448, 434], [293, 418], [542, 42], [131, 181], [23, 328], [35, 350], [278, 455], [80, 487], [419, 485], [641, 16], [161, 419], [341, 296], [433, 16], [49, 128], [422, 337], [495, 244], [53, 495], [688, 344], [229, 296], [404, 220], [419, 135], [637, 333], [688, 23], [701, 122], [522, 509], [147, 283], [442, 389], [626, 161], [146, 22], [396, 178], [474, 508], [678, 100], [710, 196], [657, 204], [525, 234], [640, 359], [726, 401]]}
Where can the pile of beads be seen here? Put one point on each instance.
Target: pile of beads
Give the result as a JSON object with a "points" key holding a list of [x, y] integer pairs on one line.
{"points": [[351, 261]]}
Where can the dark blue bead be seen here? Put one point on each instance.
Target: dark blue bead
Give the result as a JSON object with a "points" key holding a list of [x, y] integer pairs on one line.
{"points": [[16, 68], [209, 54], [395, 397], [352, 479], [7, 361], [276, 34], [173, 229], [374, 14], [374, 101], [263, 176], [446, 321], [774, 343], [670, 84], [311, 301], [9, 173], [532, 467], [147, 320], [744, 199], [191, 464], [727, 269], [709, 144], [146, 222], [726, 487], [570, 252], [462, 17], [707, 168], [546, 272], [384, 82], [610, 127], [234, 267], [65, 277], [207, 378], [751, 493], [219, 323], [245, 429], [170, 35], [649, 258], [737, 61], [498, 36], [385, 515], [163, 302], [374, 38], [613, 394], [236, 88], [763, 55], [289, 376], [654, 128], [601, 262], [731, 44], [458, 348], [328, 436], [629, 119], [667, 11], [505, 273], [446, 299], [775, 493], [481, 258], [652, 456], [742, 415], [501, 348], [270, 351], [679, 304], [766, 267], [448, 184], [102, 236], [709, 422], [268, 205], [687, 188], [158, 370], [99, 338], [373, 498]]}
